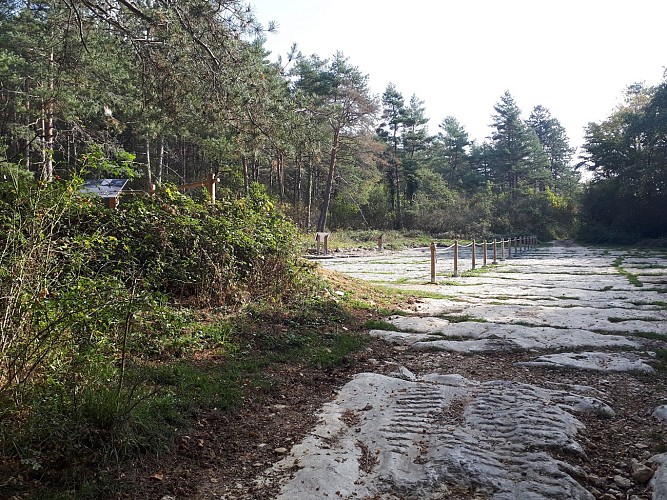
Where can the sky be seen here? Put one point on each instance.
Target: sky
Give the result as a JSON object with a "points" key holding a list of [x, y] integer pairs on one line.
{"points": [[574, 57]]}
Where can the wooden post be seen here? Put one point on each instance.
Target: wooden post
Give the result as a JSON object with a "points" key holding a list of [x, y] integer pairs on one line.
{"points": [[502, 249], [321, 239], [472, 247], [211, 181], [456, 259], [495, 252], [380, 243], [484, 249], [433, 281], [516, 246]]}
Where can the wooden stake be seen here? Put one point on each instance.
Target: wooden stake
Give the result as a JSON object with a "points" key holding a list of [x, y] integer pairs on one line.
{"points": [[433, 281], [456, 259]]}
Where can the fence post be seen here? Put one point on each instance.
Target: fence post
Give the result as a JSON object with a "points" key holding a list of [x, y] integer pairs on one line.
{"points": [[472, 247], [380, 243], [495, 252], [502, 249], [516, 246], [456, 258], [210, 185], [433, 282], [322, 238], [484, 254]]}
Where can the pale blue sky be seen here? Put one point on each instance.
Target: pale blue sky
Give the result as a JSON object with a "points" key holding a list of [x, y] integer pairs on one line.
{"points": [[573, 56]]}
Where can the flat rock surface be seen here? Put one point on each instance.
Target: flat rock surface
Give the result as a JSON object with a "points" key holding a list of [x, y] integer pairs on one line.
{"points": [[560, 359], [386, 435], [599, 361]]}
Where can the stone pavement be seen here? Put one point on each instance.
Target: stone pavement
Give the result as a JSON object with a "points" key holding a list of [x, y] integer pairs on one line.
{"points": [[440, 435]]}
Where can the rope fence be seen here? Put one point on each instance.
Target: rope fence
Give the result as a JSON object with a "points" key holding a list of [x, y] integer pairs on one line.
{"points": [[517, 245]]}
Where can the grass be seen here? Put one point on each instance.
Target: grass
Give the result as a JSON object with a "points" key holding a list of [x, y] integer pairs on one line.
{"points": [[635, 333], [660, 360], [632, 278], [374, 324], [615, 319], [658, 304], [461, 318], [406, 295], [367, 240]]}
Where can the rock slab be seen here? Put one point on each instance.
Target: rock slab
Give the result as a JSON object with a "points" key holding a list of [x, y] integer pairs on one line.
{"points": [[418, 438]]}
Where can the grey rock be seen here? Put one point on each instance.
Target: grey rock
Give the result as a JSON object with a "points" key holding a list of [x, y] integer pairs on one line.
{"points": [[622, 482], [659, 481], [419, 432], [640, 472], [660, 413]]}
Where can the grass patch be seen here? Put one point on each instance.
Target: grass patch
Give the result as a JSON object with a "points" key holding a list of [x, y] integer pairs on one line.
{"points": [[635, 333], [374, 324], [632, 278], [367, 240], [616, 319], [660, 361], [462, 318], [406, 295], [659, 304]]}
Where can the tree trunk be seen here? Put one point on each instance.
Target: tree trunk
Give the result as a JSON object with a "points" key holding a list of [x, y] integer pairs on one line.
{"points": [[27, 140], [322, 222], [149, 174], [309, 222], [280, 172], [160, 162], [246, 181], [297, 181], [47, 127], [397, 178]]}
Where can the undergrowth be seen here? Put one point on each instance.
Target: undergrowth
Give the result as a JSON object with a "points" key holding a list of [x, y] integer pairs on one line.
{"points": [[119, 326]]}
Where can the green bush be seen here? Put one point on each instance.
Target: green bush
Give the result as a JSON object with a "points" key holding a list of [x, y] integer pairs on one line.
{"points": [[92, 296]]}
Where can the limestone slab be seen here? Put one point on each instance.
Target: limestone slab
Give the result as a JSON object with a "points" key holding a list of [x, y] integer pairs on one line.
{"points": [[389, 436], [596, 361]]}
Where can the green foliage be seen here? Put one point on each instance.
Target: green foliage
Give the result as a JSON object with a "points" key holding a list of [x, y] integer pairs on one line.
{"points": [[626, 201], [98, 164], [90, 297]]}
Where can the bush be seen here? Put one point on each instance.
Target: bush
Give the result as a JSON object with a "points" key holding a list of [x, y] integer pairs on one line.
{"points": [[89, 293]]}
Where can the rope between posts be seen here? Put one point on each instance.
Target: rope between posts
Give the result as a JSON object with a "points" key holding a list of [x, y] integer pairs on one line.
{"points": [[520, 244]]}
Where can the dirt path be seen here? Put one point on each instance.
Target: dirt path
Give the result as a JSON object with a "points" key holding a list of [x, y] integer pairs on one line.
{"points": [[538, 378]]}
